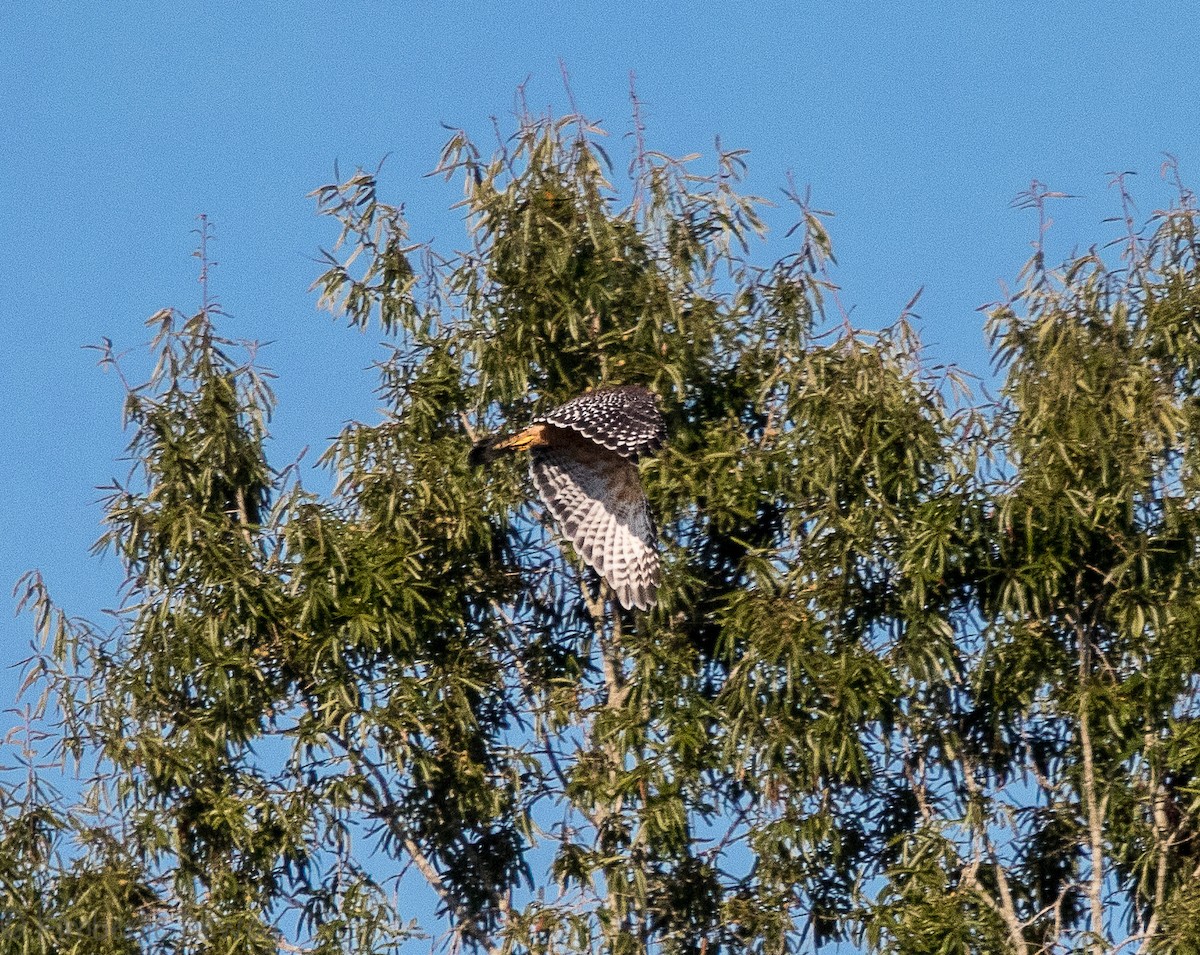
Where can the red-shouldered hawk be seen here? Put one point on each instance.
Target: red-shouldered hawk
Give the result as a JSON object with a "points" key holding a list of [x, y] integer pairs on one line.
{"points": [[583, 463]]}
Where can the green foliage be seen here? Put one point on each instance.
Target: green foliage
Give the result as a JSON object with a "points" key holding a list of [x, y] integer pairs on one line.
{"points": [[921, 677], [66, 884]]}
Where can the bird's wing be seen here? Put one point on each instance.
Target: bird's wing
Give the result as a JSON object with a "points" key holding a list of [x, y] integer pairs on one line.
{"points": [[625, 419], [597, 501]]}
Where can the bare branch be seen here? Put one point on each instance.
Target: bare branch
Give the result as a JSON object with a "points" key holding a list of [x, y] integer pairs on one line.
{"points": [[1091, 804]]}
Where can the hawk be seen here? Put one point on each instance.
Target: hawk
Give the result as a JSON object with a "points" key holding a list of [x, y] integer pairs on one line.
{"points": [[583, 461]]}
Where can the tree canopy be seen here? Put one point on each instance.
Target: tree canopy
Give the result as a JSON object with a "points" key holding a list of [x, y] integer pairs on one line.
{"points": [[921, 678]]}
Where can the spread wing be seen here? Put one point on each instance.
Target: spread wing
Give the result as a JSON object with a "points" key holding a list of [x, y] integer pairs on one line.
{"points": [[597, 501], [625, 420]]}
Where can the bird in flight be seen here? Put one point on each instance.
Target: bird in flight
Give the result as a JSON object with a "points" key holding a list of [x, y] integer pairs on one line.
{"points": [[583, 461]]}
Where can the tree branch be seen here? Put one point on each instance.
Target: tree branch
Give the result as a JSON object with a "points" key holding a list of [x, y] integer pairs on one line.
{"points": [[1162, 845], [1006, 907], [465, 921], [1091, 805]]}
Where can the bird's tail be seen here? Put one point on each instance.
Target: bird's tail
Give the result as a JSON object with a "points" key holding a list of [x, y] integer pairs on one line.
{"points": [[491, 448]]}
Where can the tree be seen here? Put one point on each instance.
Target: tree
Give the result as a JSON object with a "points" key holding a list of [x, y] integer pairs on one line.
{"points": [[921, 677]]}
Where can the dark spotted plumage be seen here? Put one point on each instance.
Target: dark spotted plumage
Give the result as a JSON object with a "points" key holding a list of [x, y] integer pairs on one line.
{"points": [[582, 458], [625, 420]]}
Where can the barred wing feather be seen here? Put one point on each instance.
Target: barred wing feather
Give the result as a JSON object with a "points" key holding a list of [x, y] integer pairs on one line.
{"points": [[625, 419], [596, 499]]}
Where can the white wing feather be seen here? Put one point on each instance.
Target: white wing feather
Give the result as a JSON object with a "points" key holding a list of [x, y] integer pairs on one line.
{"points": [[596, 499]]}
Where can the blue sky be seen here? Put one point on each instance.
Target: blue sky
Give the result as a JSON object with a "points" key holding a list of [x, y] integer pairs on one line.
{"points": [[916, 123]]}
